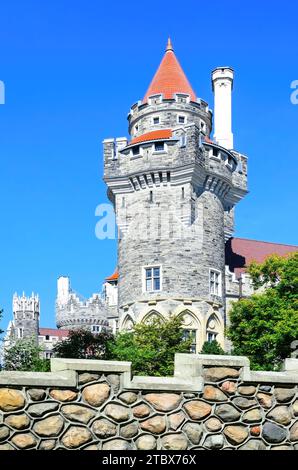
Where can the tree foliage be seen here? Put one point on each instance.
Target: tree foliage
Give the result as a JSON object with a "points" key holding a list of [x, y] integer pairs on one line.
{"points": [[212, 348], [264, 326], [151, 346], [82, 344], [25, 355]]}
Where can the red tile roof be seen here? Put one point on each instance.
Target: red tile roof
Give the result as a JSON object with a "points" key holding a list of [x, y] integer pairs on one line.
{"points": [[153, 135], [208, 140], [53, 332], [169, 78], [240, 252], [113, 277]]}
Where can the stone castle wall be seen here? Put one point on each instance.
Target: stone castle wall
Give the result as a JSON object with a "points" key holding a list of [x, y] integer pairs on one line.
{"points": [[211, 402]]}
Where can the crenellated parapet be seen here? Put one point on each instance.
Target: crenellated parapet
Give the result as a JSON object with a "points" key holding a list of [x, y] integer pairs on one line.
{"points": [[73, 311]]}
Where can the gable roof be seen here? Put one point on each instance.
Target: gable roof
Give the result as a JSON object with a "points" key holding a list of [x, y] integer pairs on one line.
{"points": [[240, 252], [53, 332]]}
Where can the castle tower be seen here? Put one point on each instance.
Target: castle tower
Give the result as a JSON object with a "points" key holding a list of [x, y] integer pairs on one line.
{"points": [[174, 191], [25, 316]]}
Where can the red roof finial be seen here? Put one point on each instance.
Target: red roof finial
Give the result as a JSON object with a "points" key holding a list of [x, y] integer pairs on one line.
{"points": [[169, 78], [169, 45]]}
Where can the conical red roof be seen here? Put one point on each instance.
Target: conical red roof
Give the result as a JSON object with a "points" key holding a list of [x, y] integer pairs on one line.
{"points": [[169, 78]]}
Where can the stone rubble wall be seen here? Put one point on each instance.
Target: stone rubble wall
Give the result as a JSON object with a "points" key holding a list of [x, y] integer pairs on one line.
{"points": [[211, 402]]}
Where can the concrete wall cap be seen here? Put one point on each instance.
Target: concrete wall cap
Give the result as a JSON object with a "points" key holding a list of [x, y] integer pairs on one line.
{"points": [[58, 364], [56, 379]]}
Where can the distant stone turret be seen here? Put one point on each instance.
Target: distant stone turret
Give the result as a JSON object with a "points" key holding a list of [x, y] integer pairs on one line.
{"points": [[73, 311], [25, 316]]}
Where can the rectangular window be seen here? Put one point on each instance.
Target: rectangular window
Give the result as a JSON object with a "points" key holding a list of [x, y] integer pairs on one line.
{"points": [[159, 147], [47, 337], [190, 334], [96, 329], [156, 120], [181, 119], [21, 332], [136, 150], [152, 279], [215, 282], [211, 337], [183, 140]]}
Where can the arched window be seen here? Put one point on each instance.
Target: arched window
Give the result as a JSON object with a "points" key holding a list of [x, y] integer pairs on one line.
{"points": [[212, 329], [128, 323], [190, 329]]}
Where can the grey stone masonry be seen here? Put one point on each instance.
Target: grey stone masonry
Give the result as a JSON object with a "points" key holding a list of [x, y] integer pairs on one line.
{"points": [[174, 201], [211, 402]]}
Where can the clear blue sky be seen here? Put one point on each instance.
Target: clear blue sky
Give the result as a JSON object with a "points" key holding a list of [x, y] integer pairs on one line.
{"points": [[72, 69]]}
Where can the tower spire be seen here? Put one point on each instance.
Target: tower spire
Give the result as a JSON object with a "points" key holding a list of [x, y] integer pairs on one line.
{"points": [[169, 45]]}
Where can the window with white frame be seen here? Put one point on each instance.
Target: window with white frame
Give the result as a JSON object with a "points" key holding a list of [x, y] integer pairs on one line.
{"points": [[156, 120], [183, 140], [215, 282], [152, 278], [190, 334], [96, 329], [211, 336], [159, 147]]}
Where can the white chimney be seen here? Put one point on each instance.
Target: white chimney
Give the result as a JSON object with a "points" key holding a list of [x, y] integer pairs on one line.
{"points": [[63, 290], [222, 85]]}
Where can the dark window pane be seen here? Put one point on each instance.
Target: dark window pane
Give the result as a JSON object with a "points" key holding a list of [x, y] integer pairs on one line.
{"points": [[136, 150], [159, 146]]}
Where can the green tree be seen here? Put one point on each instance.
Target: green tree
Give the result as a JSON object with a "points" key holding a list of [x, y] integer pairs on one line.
{"points": [[151, 346], [25, 355], [82, 344], [264, 326], [212, 348]]}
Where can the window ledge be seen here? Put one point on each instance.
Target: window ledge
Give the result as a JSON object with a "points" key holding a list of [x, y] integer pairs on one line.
{"points": [[135, 157]]}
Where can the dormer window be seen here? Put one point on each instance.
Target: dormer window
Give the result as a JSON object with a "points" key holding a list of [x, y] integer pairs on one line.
{"points": [[155, 99], [156, 120], [159, 147], [182, 98]]}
